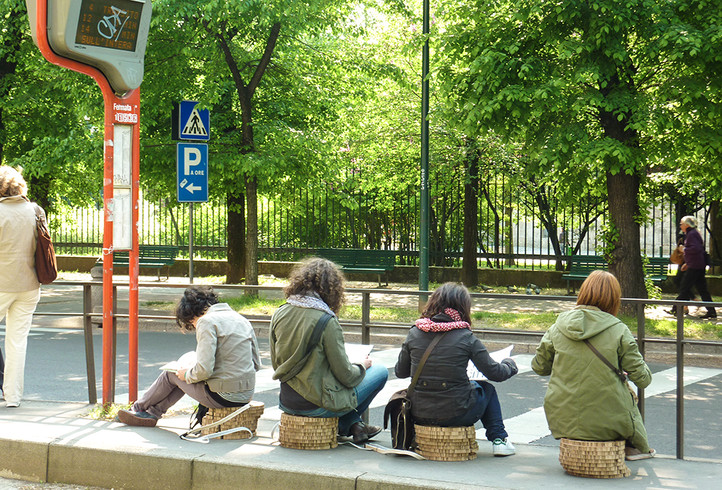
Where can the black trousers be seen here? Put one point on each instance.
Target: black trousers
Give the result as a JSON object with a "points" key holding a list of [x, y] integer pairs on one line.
{"points": [[695, 279]]}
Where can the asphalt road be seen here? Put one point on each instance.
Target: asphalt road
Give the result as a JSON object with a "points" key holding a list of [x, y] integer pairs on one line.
{"points": [[55, 370]]}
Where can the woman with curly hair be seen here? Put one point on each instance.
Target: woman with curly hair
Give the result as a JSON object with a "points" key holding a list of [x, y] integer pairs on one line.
{"points": [[317, 378], [19, 285], [227, 358], [444, 396]]}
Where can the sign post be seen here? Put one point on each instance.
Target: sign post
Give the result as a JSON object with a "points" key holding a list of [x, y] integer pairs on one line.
{"points": [[190, 123], [106, 40]]}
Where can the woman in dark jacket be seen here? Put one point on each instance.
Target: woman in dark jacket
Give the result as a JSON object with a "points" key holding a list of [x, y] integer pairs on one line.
{"points": [[443, 395], [694, 266]]}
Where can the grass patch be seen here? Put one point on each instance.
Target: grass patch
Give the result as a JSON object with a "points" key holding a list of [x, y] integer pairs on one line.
{"points": [[528, 321], [107, 412], [381, 314], [253, 305]]}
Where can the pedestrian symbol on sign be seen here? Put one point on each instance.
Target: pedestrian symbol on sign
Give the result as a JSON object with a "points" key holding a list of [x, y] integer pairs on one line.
{"points": [[194, 126]]}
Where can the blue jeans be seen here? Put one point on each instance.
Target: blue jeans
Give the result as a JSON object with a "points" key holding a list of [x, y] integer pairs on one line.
{"points": [[487, 409], [373, 382]]}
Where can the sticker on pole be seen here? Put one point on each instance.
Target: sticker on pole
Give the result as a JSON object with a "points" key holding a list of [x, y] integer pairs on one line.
{"points": [[192, 166]]}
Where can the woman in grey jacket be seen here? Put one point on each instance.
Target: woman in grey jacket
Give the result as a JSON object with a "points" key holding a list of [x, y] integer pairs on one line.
{"points": [[19, 286], [227, 359], [443, 395]]}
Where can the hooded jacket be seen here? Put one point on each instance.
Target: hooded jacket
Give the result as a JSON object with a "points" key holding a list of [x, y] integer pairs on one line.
{"points": [[585, 399]]}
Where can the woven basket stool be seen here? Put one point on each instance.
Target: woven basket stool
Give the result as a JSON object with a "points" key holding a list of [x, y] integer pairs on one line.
{"points": [[446, 443], [593, 459], [296, 432], [248, 419]]}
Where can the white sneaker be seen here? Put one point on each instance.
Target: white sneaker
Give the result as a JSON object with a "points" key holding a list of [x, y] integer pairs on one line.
{"points": [[503, 447], [12, 404]]}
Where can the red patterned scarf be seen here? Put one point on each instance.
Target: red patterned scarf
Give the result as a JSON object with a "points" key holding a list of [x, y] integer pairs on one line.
{"points": [[428, 325]]}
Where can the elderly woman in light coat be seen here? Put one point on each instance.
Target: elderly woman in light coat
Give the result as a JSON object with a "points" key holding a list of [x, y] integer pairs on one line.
{"points": [[19, 286]]}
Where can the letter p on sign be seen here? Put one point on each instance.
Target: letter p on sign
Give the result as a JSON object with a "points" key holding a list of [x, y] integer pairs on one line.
{"points": [[192, 157]]}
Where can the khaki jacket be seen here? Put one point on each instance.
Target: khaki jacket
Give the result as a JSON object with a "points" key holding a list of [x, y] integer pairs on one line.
{"points": [[227, 351], [18, 239], [585, 398], [328, 378]]}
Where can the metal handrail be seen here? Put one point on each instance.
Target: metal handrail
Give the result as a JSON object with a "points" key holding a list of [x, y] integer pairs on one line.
{"points": [[366, 325]]}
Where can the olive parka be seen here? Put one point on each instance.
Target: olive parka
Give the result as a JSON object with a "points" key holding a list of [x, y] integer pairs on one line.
{"points": [[328, 378], [585, 399]]}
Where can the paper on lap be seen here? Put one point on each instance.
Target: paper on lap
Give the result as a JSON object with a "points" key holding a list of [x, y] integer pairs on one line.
{"points": [[475, 374], [186, 361], [357, 352]]}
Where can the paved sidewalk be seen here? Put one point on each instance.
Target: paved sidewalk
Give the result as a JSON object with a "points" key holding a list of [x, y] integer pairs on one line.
{"points": [[51, 441]]}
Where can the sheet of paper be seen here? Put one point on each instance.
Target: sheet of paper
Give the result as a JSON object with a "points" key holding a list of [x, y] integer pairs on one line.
{"points": [[475, 374], [357, 352], [186, 361]]}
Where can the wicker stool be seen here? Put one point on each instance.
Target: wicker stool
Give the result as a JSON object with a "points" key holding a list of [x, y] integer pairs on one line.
{"points": [[248, 418], [446, 443], [298, 432], [593, 459]]}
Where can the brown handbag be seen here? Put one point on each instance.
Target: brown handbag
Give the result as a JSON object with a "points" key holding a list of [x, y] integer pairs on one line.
{"points": [[46, 266], [677, 256]]}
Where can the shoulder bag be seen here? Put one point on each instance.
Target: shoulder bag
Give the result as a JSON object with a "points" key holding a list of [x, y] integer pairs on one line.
{"points": [[398, 409], [46, 266], [620, 374]]}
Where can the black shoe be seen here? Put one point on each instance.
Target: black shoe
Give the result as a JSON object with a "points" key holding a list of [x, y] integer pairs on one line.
{"points": [[708, 316], [362, 433]]}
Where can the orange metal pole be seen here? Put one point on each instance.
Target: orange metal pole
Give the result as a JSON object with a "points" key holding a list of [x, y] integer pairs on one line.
{"points": [[109, 99]]}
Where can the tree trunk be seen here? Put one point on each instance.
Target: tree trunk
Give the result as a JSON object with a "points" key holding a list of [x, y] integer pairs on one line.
{"points": [[252, 231], [236, 232], [626, 259], [469, 270], [715, 242]]}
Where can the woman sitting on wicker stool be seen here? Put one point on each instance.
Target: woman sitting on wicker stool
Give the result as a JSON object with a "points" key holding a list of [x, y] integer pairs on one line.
{"points": [[585, 399], [224, 374], [317, 379], [443, 395]]}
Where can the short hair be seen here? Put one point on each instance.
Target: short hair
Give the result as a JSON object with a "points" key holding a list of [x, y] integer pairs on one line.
{"points": [[690, 221], [601, 289], [318, 276], [194, 303], [449, 295], [12, 182]]}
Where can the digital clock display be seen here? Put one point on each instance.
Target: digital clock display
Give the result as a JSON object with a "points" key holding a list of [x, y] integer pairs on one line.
{"points": [[110, 24]]}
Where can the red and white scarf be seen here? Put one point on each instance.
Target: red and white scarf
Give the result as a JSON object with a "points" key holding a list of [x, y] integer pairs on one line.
{"points": [[428, 325]]}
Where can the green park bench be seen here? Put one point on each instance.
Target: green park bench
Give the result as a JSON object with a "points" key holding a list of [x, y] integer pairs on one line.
{"points": [[361, 261], [582, 265], [150, 256]]}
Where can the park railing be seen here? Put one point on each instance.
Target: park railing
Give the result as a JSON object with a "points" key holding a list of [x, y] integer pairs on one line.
{"points": [[366, 326]]}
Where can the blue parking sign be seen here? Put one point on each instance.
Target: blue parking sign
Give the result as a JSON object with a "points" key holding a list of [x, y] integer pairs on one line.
{"points": [[192, 172]]}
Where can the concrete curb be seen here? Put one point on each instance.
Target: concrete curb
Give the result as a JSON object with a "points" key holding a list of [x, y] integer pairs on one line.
{"points": [[51, 441]]}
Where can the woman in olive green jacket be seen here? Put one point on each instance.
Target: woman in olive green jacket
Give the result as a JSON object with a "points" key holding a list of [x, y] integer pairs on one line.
{"points": [[586, 399], [322, 382]]}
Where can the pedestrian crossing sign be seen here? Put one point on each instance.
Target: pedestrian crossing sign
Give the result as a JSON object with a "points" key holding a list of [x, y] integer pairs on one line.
{"points": [[191, 123]]}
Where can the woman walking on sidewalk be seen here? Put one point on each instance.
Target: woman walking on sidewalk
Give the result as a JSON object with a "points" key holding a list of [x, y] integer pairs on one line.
{"points": [[19, 286], [227, 358]]}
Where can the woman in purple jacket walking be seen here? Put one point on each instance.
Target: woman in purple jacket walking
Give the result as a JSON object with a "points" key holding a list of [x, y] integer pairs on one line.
{"points": [[694, 266]]}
